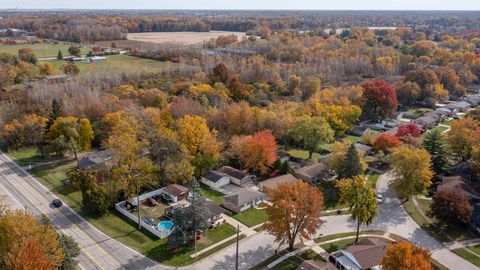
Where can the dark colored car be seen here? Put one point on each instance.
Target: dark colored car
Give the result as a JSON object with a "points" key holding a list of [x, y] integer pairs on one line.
{"points": [[57, 203], [166, 198], [150, 221], [151, 201]]}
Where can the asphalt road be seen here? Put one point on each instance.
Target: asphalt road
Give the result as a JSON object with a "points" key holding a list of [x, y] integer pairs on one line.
{"points": [[98, 250]]}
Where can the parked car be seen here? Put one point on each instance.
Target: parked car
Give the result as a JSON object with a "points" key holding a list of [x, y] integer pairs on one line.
{"points": [[150, 221], [166, 198], [151, 201], [379, 198], [57, 203]]}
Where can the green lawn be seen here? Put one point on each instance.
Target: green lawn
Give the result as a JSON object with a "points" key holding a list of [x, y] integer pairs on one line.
{"points": [[372, 179], [211, 194], [417, 112], [41, 49], [340, 244], [114, 224], [116, 64], [252, 217], [303, 154], [353, 139], [330, 195], [447, 122], [467, 256], [443, 232], [345, 234], [293, 262], [27, 156]]}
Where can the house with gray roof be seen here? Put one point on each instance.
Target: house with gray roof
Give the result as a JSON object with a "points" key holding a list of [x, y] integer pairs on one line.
{"points": [[460, 106], [427, 121], [274, 182], [215, 179], [95, 160], [242, 200], [224, 176], [312, 173]]}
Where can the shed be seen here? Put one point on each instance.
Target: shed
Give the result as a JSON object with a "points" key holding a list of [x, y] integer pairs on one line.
{"points": [[215, 179], [176, 192]]}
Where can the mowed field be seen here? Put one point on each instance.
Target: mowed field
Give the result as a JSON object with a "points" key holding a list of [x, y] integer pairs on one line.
{"points": [[117, 64], [41, 50], [181, 37]]}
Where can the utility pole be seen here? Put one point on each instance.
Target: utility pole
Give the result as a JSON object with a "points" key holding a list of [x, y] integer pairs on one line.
{"points": [[138, 201], [238, 238], [194, 225]]}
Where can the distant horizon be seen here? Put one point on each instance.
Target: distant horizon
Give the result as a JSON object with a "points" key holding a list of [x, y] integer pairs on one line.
{"points": [[247, 5], [209, 9]]}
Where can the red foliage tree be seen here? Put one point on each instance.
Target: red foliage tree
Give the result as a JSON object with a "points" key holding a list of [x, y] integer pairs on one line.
{"points": [[380, 99], [451, 205], [385, 141], [408, 130]]}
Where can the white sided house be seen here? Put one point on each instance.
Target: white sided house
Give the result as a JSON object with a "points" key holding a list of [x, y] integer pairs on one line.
{"points": [[226, 175]]}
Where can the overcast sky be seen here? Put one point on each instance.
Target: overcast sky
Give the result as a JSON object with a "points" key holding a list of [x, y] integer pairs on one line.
{"points": [[245, 4]]}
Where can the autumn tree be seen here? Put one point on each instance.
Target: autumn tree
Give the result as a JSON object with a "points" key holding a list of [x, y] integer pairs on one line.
{"points": [[385, 142], [451, 205], [74, 50], [409, 133], [71, 250], [27, 55], [411, 170], [407, 93], [312, 133], [71, 134], [70, 69], [295, 212], [433, 143], [222, 73], [352, 163], [405, 255], [24, 132], [56, 111], [256, 152], [360, 198], [29, 244], [7, 75], [461, 138], [200, 141], [380, 99], [46, 69]]}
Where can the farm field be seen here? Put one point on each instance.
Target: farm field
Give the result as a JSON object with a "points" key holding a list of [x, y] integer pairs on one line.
{"points": [[41, 50], [118, 63], [181, 37]]}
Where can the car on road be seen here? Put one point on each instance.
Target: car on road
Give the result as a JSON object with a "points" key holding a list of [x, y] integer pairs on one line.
{"points": [[150, 221], [379, 198], [151, 201], [57, 203]]}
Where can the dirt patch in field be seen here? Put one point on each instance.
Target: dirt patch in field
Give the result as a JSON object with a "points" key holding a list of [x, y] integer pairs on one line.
{"points": [[180, 37]]}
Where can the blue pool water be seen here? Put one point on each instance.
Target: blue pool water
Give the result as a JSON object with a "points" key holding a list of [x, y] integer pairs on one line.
{"points": [[165, 226]]}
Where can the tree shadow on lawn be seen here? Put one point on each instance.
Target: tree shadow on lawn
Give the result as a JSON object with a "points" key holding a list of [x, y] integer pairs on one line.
{"points": [[246, 260]]}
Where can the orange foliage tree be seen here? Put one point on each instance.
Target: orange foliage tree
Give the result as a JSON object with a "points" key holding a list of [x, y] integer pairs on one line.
{"points": [[385, 141], [28, 255], [405, 255], [256, 152], [295, 211]]}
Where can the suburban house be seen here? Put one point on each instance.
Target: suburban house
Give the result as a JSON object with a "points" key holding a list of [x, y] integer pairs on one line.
{"points": [[214, 213], [366, 254], [95, 160], [273, 183], [459, 184], [176, 192], [242, 200], [215, 179], [367, 150], [441, 113], [312, 173], [474, 100], [316, 265], [237, 177], [465, 170], [224, 176], [427, 121], [360, 130], [460, 106]]}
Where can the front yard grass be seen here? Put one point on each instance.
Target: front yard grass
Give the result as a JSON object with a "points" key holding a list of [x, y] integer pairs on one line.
{"points": [[442, 231], [303, 154], [372, 179], [252, 217], [293, 262], [113, 224], [211, 194], [462, 252], [330, 195]]}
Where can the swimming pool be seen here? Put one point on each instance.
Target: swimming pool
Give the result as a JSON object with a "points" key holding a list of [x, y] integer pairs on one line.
{"points": [[165, 226]]}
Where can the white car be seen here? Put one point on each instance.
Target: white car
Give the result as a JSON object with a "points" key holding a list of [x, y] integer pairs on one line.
{"points": [[379, 198]]}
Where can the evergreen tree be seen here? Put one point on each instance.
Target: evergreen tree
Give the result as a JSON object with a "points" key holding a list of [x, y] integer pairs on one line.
{"points": [[434, 145], [351, 165], [285, 168], [59, 56], [55, 112], [189, 220], [70, 250]]}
